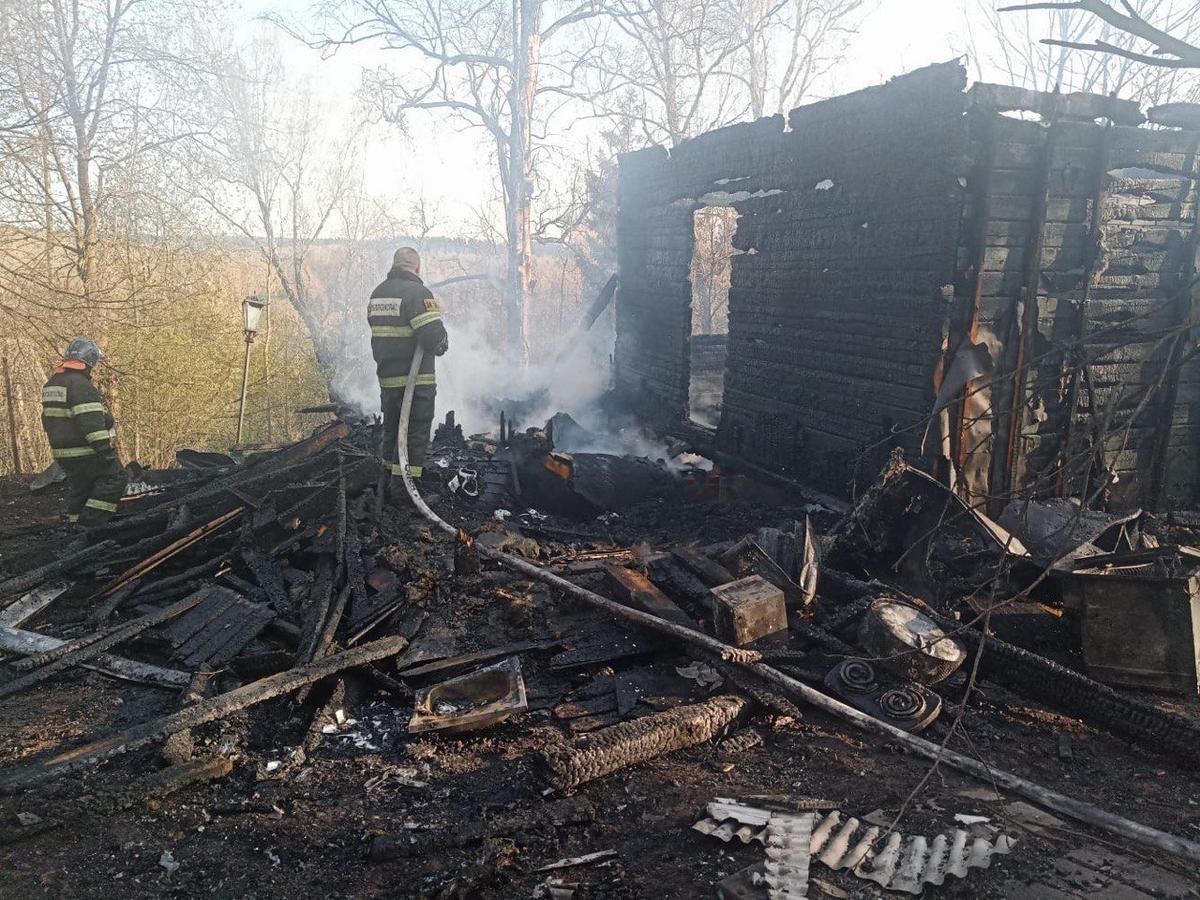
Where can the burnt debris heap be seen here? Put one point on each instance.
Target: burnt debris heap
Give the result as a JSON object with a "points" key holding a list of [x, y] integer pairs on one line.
{"points": [[278, 597], [554, 653]]}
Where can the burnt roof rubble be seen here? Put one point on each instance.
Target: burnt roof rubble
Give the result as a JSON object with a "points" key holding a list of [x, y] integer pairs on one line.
{"points": [[288, 627], [903, 596]]}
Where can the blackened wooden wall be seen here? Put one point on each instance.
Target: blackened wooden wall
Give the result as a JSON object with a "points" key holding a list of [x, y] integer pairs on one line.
{"points": [[849, 232]]}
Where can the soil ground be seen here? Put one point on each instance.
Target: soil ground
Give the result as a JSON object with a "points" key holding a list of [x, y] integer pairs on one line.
{"points": [[303, 828]]}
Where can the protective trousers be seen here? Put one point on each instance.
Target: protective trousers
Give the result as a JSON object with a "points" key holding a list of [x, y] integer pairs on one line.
{"points": [[420, 422], [95, 485]]}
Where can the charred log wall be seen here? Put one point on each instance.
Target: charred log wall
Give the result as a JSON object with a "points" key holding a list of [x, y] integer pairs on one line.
{"points": [[836, 319], [848, 233], [1094, 221], [708, 355], [1070, 243], [659, 194]]}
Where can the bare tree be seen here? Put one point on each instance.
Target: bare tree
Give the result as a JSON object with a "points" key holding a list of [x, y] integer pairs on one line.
{"points": [[1167, 48], [712, 268], [668, 66], [77, 77], [490, 65], [789, 44], [268, 169], [678, 68]]}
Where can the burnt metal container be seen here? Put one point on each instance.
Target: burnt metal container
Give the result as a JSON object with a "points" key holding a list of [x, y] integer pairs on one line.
{"points": [[1140, 624]]}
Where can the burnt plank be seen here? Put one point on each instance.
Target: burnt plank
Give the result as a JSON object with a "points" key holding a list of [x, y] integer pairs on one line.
{"points": [[636, 590]]}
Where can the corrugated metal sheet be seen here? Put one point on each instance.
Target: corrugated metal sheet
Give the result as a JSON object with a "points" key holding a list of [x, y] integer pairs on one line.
{"points": [[788, 839], [899, 863]]}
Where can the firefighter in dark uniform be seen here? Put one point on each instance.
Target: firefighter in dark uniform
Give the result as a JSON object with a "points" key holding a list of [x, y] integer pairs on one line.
{"points": [[80, 431], [403, 315]]}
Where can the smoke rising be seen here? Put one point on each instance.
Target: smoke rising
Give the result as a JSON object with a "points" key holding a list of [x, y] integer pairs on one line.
{"points": [[478, 380]]}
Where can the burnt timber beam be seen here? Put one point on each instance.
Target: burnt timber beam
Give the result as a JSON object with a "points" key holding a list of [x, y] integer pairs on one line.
{"points": [[15, 640], [171, 550], [69, 655], [218, 707], [18, 584]]}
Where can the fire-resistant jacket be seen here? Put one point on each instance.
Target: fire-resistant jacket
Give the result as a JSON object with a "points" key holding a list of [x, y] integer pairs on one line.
{"points": [[73, 414], [403, 315]]}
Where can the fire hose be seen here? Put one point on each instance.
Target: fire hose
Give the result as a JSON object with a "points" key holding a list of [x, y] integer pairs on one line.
{"points": [[751, 661]]}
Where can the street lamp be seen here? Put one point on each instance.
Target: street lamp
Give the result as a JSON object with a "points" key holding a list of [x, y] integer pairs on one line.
{"points": [[252, 308]]}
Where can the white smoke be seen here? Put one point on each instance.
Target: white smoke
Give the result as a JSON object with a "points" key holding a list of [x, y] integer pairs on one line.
{"points": [[354, 382], [476, 377]]}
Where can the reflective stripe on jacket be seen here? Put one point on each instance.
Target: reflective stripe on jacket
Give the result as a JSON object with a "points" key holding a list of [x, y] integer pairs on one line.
{"points": [[404, 315], [73, 415]]}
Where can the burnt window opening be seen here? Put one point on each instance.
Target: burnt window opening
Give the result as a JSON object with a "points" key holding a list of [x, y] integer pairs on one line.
{"points": [[711, 275]]}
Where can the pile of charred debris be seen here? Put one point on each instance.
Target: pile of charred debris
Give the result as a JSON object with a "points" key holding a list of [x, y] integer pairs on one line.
{"points": [[595, 618]]}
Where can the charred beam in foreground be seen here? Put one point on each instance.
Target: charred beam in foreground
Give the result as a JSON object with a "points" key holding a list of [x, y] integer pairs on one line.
{"points": [[325, 638], [635, 589], [72, 654], [197, 714], [316, 610], [711, 574], [18, 584], [175, 778], [143, 593], [612, 749], [173, 549], [15, 640]]}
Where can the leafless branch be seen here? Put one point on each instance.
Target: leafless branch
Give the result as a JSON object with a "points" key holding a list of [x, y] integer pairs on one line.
{"points": [[1169, 50]]}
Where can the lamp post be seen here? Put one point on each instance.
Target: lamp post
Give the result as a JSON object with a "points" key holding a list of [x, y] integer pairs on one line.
{"points": [[252, 308]]}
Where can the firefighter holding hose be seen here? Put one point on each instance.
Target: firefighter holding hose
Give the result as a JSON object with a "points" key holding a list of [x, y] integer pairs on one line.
{"points": [[404, 315], [80, 432]]}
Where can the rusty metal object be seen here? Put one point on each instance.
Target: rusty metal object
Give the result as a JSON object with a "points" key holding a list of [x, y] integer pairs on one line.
{"points": [[481, 698], [1140, 625], [748, 609], [908, 643], [629, 743]]}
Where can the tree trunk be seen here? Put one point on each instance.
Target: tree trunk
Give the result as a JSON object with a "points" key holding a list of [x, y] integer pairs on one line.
{"points": [[86, 228], [112, 399], [526, 55], [323, 347], [36, 455], [755, 58], [10, 402]]}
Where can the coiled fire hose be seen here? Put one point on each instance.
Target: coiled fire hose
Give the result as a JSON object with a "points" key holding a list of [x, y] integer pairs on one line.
{"points": [[752, 662]]}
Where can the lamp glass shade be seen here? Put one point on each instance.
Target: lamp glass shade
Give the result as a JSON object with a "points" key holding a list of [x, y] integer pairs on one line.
{"points": [[252, 308]]}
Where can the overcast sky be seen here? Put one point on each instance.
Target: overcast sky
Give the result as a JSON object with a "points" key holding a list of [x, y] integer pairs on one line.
{"points": [[455, 169]]}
